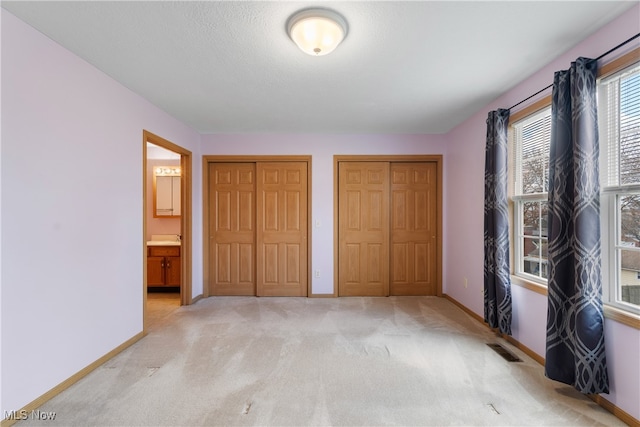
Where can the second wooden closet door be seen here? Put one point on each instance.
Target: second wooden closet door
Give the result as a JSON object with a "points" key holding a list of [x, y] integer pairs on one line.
{"points": [[387, 228]]}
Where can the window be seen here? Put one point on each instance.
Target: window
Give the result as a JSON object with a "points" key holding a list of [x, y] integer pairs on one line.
{"points": [[619, 126], [530, 138], [619, 121]]}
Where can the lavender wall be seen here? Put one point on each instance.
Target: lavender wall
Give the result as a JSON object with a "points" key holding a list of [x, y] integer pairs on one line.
{"points": [[72, 212], [322, 148], [464, 230]]}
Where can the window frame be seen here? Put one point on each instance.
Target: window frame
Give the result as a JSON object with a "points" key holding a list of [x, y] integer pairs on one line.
{"points": [[610, 206], [519, 236], [611, 267], [516, 201]]}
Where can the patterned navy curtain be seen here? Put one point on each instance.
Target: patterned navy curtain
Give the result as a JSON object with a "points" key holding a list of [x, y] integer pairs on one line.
{"points": [[497, 282], [575, 337]]}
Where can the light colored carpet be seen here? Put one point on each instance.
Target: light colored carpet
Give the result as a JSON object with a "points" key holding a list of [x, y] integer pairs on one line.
{"points": [[295, 361]]}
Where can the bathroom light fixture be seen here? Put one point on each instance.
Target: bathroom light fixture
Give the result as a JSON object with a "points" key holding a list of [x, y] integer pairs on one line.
{"points": [[167, 171], [317, 31]]}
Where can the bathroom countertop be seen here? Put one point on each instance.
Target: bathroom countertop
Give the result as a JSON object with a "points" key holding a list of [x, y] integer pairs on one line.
{"points": [[163, 243]]}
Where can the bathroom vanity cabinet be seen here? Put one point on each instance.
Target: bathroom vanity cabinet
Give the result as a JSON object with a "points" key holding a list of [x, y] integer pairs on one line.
{"points": [[163, 266]]}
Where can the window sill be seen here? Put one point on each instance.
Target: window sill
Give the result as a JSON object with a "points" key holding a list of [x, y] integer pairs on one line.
{"points": [[610, 312], [622, 316]]}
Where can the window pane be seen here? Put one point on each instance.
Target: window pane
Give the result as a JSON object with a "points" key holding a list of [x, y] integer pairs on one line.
{"points": [[630, 129], [630, 220], [535, 175], [531, 250], [544, 215], [534, 218], [629, 277], [531, 257], [544, 252], [535, 256], [532, 140], [531, 218], [630, 157]]}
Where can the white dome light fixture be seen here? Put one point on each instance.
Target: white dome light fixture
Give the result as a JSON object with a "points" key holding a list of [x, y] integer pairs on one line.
{"points": [[317, 31]]}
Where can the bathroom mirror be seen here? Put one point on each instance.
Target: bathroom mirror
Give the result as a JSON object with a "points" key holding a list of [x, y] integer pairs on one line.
{"points": [[166, 192]]}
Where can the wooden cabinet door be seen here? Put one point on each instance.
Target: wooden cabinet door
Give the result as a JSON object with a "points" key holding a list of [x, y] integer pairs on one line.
{"points": [[172, 271], [282, 218], [232, 227], [363, 215], [413, 229], [155, 271]]}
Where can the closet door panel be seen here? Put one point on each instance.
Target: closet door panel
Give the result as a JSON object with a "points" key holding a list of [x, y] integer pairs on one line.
{"points": [[282, 221], [363, 215], [232, 228], [414, 228]]}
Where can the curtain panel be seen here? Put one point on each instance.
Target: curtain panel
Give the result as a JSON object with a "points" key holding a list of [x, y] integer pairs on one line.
{"points": [[497, 282], [575, 352]]}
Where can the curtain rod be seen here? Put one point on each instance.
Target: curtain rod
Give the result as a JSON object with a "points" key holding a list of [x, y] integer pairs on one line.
{"points": [[598, 58]]}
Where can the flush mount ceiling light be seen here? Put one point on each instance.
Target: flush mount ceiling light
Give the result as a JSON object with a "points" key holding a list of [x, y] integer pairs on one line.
{"points": [[317, 31]]}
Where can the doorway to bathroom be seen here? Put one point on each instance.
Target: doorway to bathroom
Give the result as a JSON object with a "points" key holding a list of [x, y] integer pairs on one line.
{"points": [[167, 227]]}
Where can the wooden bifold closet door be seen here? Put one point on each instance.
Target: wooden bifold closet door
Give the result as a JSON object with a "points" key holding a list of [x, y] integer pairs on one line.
{"points": [[363, 215], [258, 225], [233, 228], [387, 213], [413, 229]]}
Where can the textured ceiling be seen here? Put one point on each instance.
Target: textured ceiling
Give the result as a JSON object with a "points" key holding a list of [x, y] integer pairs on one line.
{"points": [[405, 67]]}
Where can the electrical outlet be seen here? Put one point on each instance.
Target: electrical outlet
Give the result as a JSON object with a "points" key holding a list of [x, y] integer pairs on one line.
{"points": [[317, 273]]}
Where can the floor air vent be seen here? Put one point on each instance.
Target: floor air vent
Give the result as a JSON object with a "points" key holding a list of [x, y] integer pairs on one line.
{"points": [[506, 354]]}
